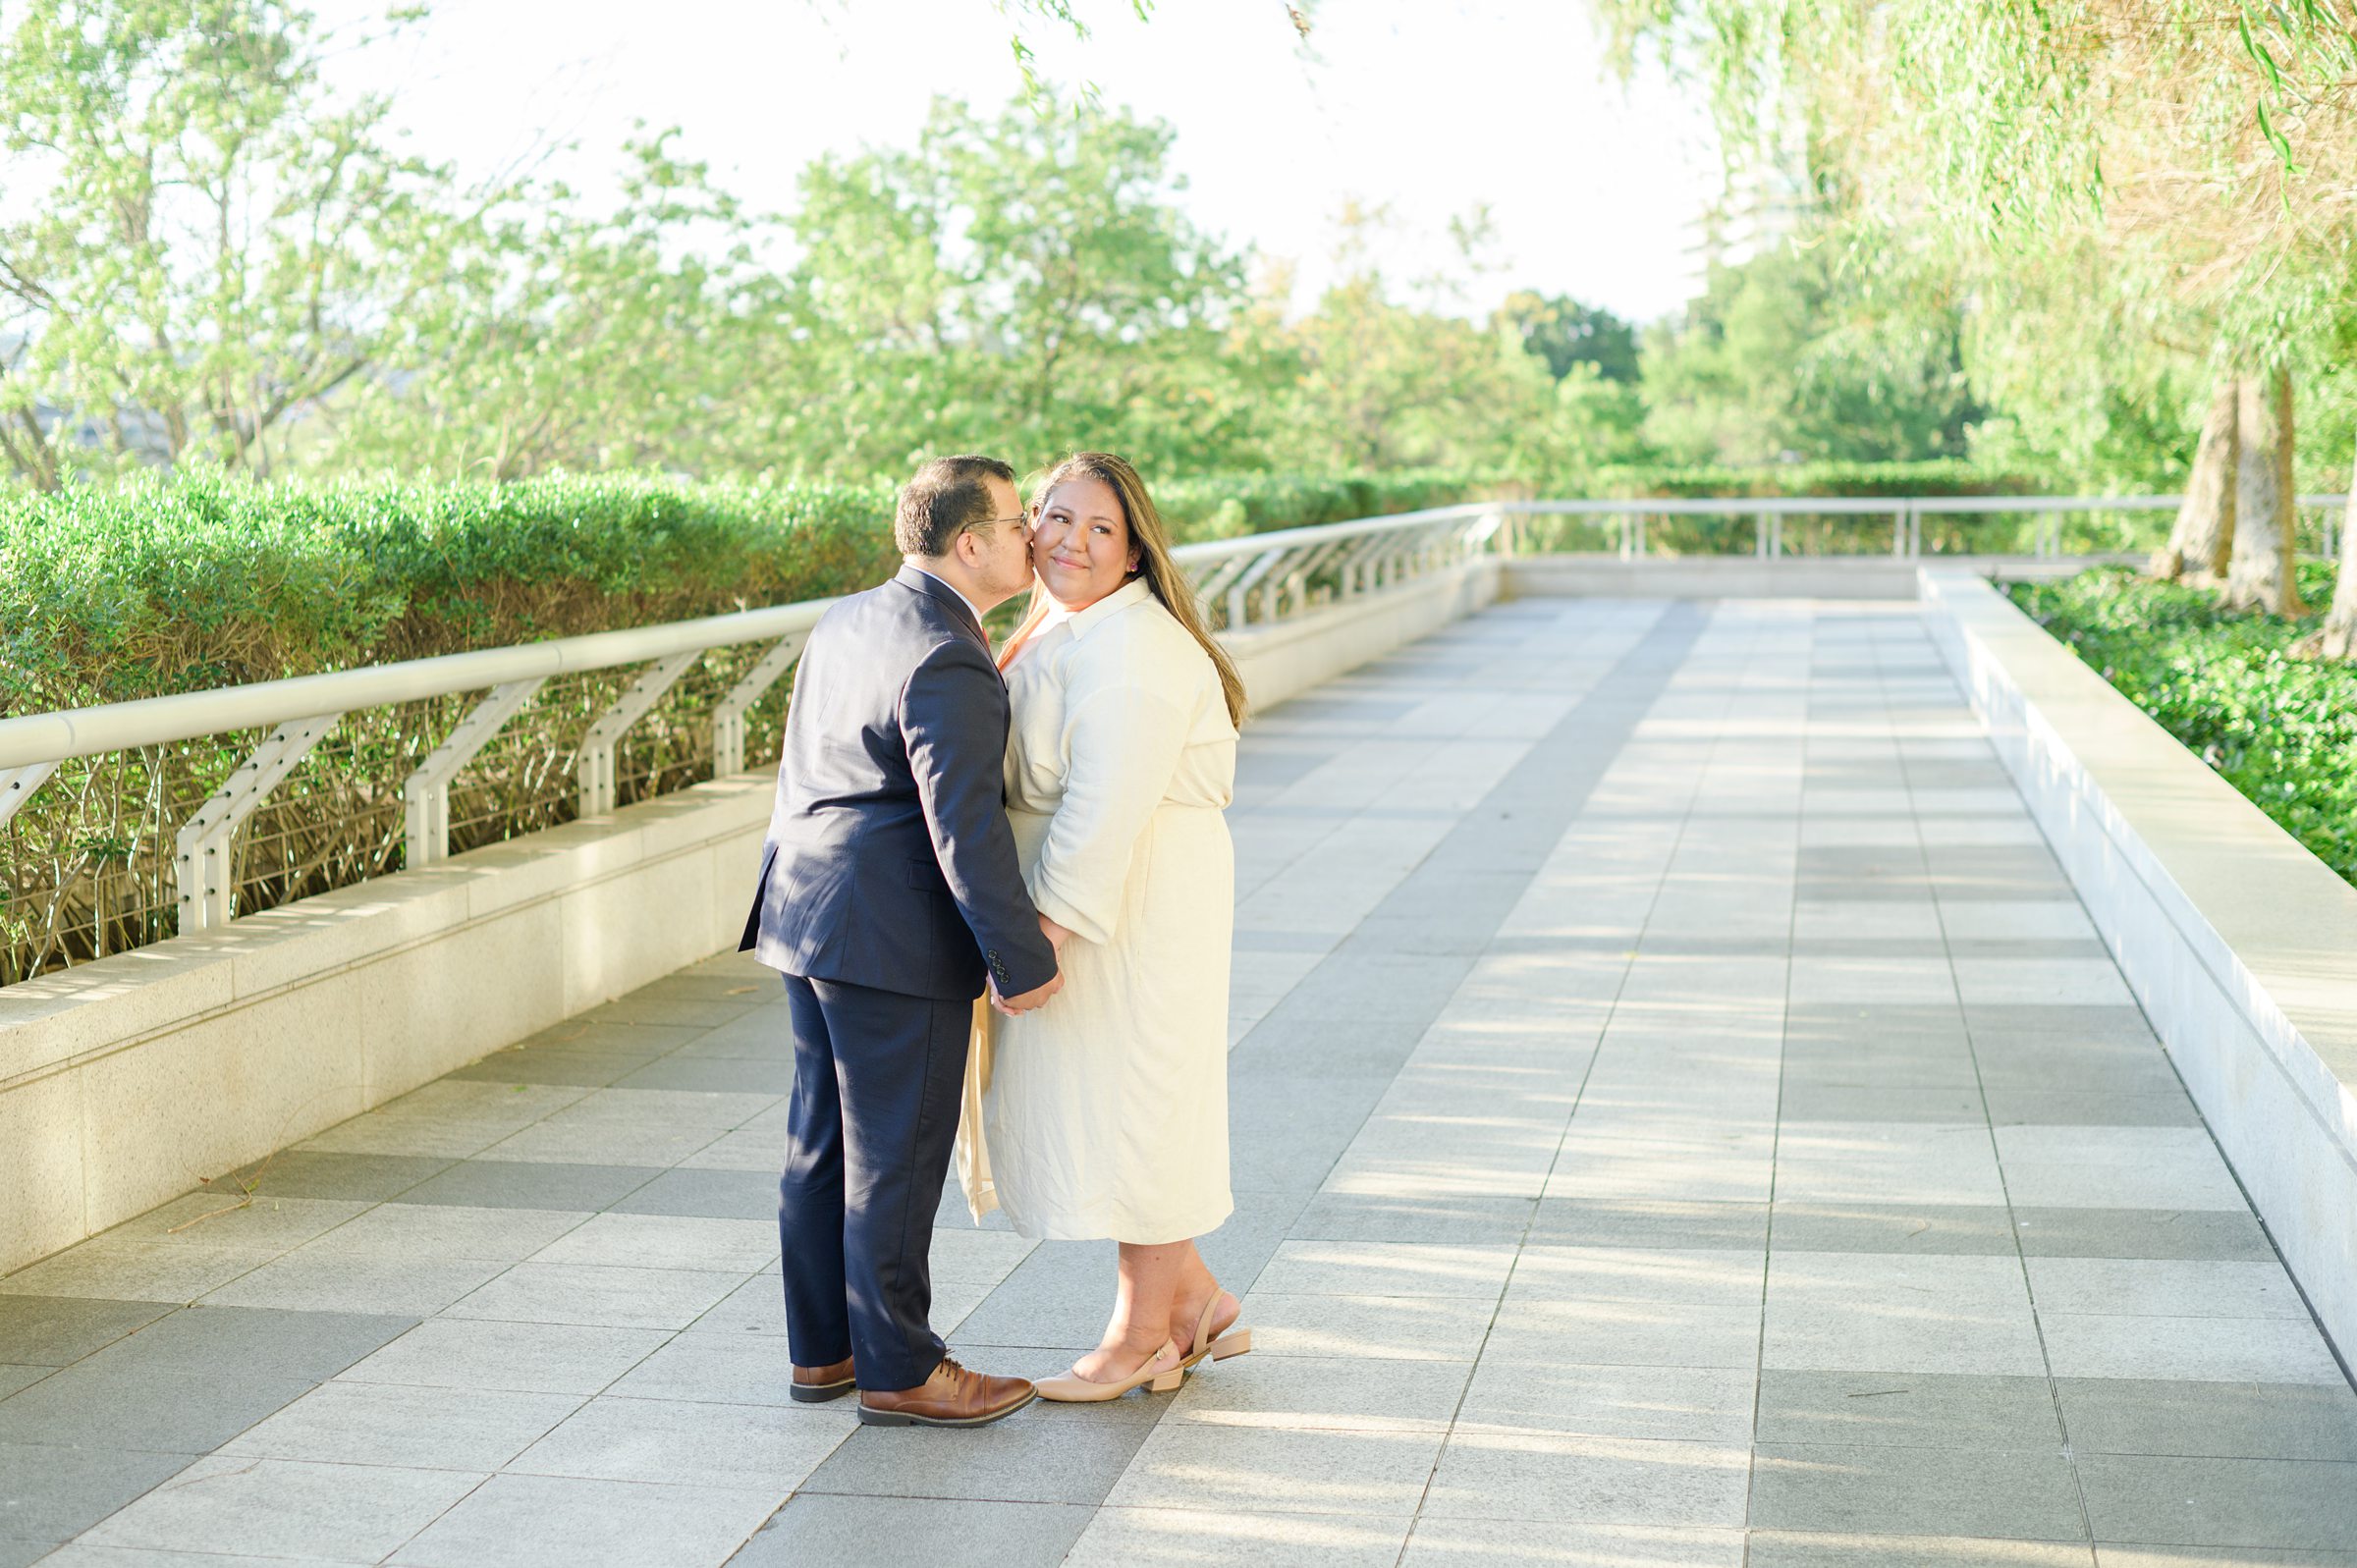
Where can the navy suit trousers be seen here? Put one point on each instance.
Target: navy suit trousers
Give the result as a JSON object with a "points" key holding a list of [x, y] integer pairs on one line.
{"points": [[877, 1080]]}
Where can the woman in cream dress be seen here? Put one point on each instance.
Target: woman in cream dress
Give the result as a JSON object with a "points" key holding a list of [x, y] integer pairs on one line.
{"points": [[1107, 1111]]}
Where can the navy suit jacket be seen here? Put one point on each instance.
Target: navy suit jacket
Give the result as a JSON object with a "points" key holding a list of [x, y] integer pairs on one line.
{"points": [[889, 862]]}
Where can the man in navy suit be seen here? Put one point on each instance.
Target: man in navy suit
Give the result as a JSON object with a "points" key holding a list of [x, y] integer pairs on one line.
{"points": [[890, 895]]}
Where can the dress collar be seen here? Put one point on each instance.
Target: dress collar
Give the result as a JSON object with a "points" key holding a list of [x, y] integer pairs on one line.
{"points": [[1128, 594]]}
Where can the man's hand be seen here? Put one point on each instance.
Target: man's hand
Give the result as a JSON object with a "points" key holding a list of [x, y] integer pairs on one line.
{"points": [[1057, 935], [1028, 1000]]}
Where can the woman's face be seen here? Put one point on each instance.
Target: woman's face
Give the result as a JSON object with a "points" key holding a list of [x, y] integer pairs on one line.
{"points": [[1080, 543]]}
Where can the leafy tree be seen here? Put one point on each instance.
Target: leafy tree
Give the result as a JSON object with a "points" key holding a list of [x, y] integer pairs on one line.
{"points": [[1782, 358], [1563, 333], [208, 241], [562, 339], [1018, 281], [2203, 156]]}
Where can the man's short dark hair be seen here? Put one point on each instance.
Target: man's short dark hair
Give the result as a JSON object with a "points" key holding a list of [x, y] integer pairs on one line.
{"points": [[948, 496]]}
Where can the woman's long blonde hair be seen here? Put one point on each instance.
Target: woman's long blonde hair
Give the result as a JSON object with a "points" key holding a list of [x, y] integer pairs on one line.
{"points": [[1151, 539]]}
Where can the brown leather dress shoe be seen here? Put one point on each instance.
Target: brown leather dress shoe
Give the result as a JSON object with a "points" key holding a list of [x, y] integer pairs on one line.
{"points": [[815, 1385], [951, 1397]]}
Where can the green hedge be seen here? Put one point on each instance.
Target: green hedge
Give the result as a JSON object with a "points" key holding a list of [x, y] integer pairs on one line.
{"points": [[172, 585], [1229, 506], [2280, 730], [1938, 477]]}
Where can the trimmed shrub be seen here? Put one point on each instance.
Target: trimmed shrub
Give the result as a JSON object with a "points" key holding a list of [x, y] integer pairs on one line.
{"points": [[197, 581]]}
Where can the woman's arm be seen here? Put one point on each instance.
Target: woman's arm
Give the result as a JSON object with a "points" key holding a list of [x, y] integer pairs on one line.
{"points": [[1124, 746]]}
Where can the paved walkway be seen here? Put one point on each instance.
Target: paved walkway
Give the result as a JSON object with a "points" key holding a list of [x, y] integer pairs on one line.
{"points": [[1682, 1118]]}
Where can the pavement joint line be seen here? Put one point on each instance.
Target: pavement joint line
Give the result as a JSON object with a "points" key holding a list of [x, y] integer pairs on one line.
{"points": [[1758, 1363]]}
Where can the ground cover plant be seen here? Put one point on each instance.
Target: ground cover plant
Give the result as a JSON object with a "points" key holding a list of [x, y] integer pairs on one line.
{"points": [[2281, 729]]}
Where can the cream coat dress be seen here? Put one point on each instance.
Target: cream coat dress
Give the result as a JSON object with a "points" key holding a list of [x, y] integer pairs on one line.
{"points": [[1106, 1114]]}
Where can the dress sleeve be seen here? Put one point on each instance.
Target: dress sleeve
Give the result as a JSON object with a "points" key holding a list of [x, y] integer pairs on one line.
{"points": [[1125, 744]]}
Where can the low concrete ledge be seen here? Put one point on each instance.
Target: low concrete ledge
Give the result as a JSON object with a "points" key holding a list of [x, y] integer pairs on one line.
{"points": [[1287, 658], [2239, 944], [126, 1082]]}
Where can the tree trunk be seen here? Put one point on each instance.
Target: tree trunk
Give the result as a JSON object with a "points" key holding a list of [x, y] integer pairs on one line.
{"points": [[2203, 534], [2338, 640], [2259, 574]]}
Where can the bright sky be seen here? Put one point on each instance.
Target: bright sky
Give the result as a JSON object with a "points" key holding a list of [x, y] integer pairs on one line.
{"points": [[1426, 107]]}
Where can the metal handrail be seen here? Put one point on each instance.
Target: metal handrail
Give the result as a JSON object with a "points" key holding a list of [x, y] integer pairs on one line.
{"points": [[158, 720], [1828, 506]]}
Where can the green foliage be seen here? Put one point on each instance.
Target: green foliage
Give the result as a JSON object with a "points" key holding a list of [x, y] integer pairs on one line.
{"points": [[1785, 357], [203, 239], [2282, 730], [1563, 333], [202, 581], [1938, 476], [1228, 505]]}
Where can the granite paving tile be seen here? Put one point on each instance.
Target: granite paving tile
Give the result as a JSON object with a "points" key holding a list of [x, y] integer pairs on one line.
{"points": [[1969, 1229], [1439, 1542], [707, 1194], [938, 1532], [234, 1220], [56, 1331], [249, 1341], [522, 1357], [1375, 1327], [2196, 1233], [1248, 1469], [140, 1407], [2111, 1554], [1671, 1223], [667, 1241], [597, 1295], [1588, 1479], [517, 1184], [2189, 1349], [515, 1521], [282, 1508], [295, 1174], [2213, 1419], [132, 1269], [1348, 1393], [1777, 1549], [2165, 1288], [1690, 1404], [50, 1493], [1184, 1538], [1886, 1489], [1920, 1410], [2308, 1505], [429, 1232], [689, 1441], [305, 1280], [1044, 1453], [405, 1426]]}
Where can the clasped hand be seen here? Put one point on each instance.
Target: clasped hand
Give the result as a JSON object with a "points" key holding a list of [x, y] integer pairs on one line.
{"points": [[1037, 996]]}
